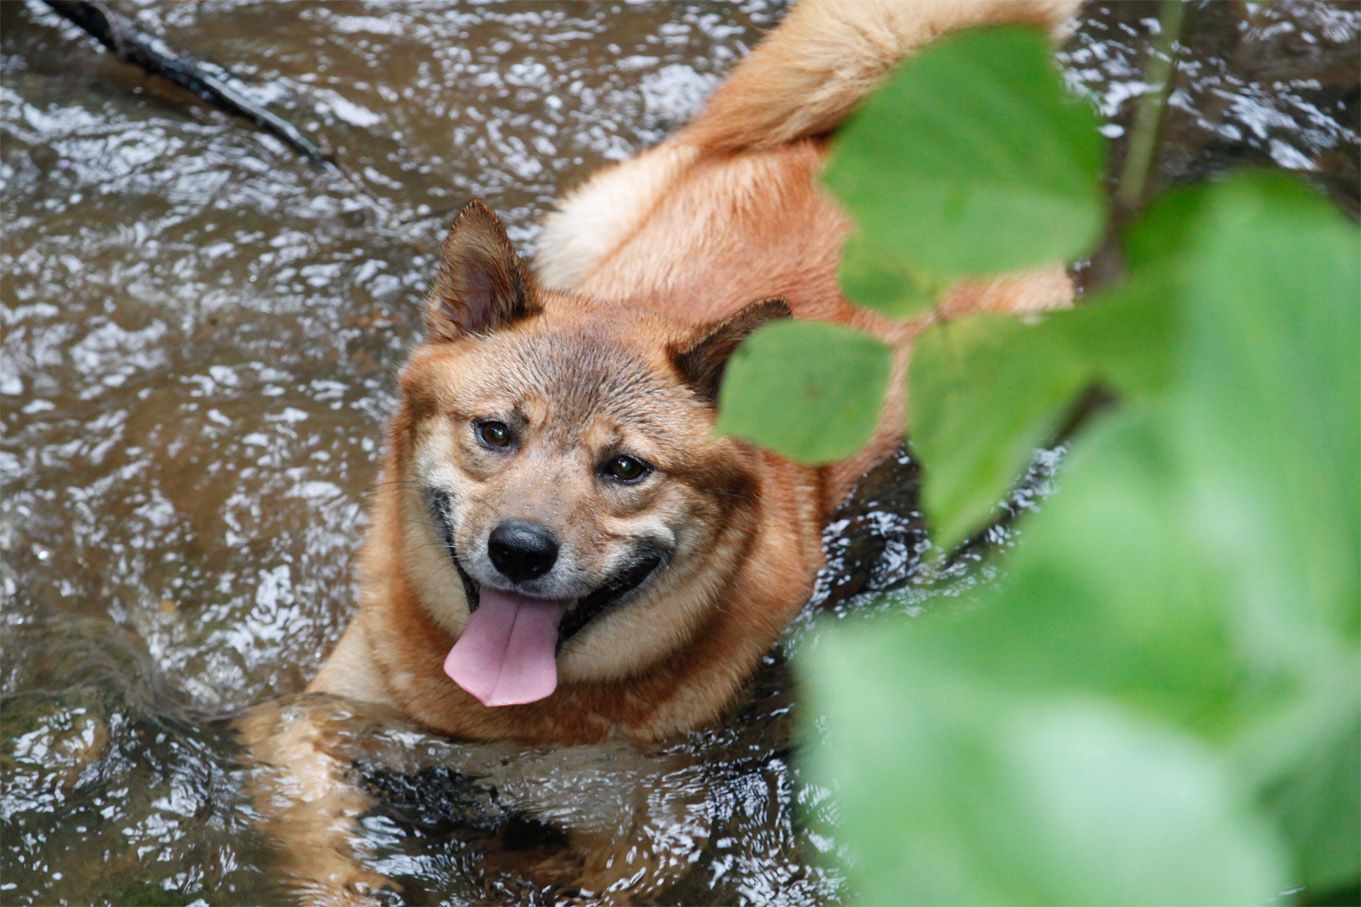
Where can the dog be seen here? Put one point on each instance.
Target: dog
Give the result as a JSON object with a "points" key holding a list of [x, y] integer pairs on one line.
{"points": [[561, 550]]}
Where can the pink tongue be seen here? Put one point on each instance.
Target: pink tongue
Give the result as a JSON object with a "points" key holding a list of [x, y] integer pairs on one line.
{"points": [[507, 654]]}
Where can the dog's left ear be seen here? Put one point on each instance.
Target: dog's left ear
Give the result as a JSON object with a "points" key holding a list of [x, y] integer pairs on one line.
{"points": [[482, 284], [702, 359]]}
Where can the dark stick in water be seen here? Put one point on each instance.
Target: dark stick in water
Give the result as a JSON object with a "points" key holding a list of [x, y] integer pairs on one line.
{"points": [[151, 54]]}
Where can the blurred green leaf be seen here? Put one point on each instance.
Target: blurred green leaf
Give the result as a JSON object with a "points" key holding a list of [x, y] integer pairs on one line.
{"points": [[1196, 579], [973, 159], [1268, 439], [1271, 432], [986, 391], [955, 788], [811, 391], [873, 278], [1304, 758], [1108, 593]]}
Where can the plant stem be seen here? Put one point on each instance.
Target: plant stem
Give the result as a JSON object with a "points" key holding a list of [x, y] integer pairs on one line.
{"points": [[1159, 74]]}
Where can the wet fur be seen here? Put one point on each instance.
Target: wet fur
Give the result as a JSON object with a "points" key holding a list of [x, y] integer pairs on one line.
{"points": [[634, 271], [666, 660], [649, 255]]}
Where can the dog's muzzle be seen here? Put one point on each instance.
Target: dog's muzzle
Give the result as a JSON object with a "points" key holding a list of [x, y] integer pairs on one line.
{"points": [[646, 563]]}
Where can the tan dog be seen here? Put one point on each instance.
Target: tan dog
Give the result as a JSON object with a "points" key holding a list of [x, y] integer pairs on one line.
{"points": [[561, 550]]}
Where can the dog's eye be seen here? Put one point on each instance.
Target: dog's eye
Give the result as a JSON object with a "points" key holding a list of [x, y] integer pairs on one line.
{"points": [[624, 468], [493, 433]]}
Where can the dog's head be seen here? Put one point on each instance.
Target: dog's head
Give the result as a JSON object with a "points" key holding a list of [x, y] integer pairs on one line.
{"points": [[566, 507]]}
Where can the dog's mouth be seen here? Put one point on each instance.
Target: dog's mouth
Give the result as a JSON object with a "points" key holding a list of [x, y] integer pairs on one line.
{"points": [[583, 610], [622, 584], [507, 653]]}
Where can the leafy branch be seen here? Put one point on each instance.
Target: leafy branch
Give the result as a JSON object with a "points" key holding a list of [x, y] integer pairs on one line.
{"points": [[1157, 703]]}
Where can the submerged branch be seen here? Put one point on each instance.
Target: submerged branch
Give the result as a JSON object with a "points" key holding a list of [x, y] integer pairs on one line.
{"points": [[150, 54]]}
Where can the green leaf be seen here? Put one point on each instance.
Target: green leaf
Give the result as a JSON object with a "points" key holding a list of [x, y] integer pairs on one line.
{"points": [[987, 391], [1199, 569], [810, 391], [1220, 541], [974, 160], [874, 278], [1271, 426], [1267, 428], [1155, 244], [1110, 593], [954, 788], [984, 392], [1304, 758]]}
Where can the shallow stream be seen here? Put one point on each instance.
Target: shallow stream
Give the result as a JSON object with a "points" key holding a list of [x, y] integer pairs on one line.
{"points": [[201, 333]]}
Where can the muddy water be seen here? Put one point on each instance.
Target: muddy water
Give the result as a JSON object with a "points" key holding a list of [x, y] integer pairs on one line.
{"points": [[200, 337]]}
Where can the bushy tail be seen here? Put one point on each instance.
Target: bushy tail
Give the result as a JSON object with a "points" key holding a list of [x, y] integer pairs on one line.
{"points": [[806, 76]]}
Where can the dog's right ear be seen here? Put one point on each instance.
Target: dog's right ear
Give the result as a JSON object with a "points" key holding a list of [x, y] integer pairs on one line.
{"points": [[702, 360], [482, 284]]}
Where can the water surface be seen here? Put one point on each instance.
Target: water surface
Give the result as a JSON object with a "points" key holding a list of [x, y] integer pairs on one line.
{"points": [[201, 333]]}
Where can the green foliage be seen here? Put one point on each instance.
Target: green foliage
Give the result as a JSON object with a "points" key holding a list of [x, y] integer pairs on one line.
{"points": [[979, 409], [1268, 433], [1159, 700], [960, 197], [955, 788], [988, 390], [953, 193], [1272, 319], [877, 279], [833, 377], [1194, 588]]}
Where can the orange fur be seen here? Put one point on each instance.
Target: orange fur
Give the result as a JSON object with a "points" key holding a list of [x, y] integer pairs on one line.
{"points": [[650, 270], [652, 251], [811, 72]]}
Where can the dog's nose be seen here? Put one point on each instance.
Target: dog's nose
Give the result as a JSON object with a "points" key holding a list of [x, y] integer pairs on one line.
{"points": [[521, 550]]}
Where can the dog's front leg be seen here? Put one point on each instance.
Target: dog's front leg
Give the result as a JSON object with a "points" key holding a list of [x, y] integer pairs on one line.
{"points": [[302, 785]]}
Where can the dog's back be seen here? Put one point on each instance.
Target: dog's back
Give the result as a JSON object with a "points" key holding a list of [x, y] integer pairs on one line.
{"points": [[730, 209], [794, 89]]}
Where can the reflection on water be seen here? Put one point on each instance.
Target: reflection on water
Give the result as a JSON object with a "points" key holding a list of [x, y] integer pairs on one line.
{"points": [[200, 338]]}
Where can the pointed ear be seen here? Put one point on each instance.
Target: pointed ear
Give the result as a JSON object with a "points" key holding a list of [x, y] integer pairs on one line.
{"points": [[482, 284], [702, 359]]}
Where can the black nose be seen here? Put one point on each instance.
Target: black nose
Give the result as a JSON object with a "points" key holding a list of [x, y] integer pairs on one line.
{"points": [[522, 551]]}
